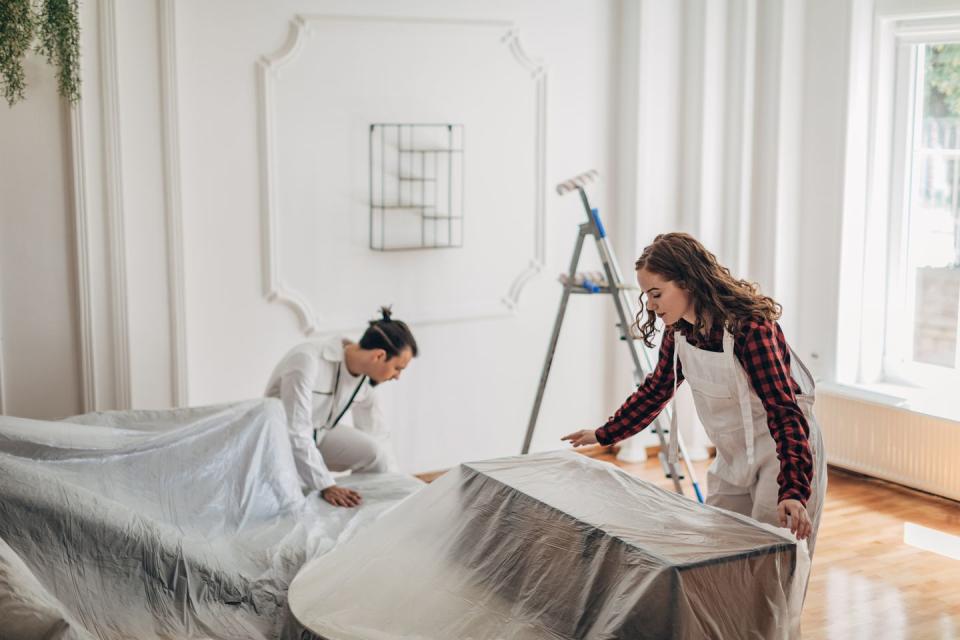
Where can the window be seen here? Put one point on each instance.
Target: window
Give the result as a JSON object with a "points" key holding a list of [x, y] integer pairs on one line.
{"points": [[922, 345]]}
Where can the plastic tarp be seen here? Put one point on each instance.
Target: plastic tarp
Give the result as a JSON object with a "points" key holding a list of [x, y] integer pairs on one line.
{"points": [[554, 545], [188, 523]]}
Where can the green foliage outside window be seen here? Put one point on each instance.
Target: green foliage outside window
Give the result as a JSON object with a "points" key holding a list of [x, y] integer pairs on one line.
{"points": [[943, 80], [52, 29]]}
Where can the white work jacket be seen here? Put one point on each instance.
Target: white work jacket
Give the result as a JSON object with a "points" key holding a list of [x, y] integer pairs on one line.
{"points": [[314, 385]]}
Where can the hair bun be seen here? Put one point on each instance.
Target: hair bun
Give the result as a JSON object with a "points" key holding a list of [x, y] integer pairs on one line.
{"points": [[386, 312]]}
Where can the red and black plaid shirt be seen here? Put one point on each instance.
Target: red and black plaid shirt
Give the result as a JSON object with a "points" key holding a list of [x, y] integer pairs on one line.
{"points": [[762, 350]]}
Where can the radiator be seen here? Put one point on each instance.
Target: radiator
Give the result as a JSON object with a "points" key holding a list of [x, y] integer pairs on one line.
{"points": [[909, 448]]}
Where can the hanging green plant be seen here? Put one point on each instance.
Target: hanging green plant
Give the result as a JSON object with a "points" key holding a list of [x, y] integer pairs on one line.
{"points": [[16, 35], [60, 42], [55, 27]]}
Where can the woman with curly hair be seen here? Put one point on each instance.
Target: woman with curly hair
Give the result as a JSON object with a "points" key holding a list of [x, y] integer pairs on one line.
{"points": [[753, 394]]}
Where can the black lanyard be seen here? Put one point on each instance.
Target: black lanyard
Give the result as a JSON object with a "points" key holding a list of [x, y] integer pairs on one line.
{"points": [[349, 402], [333, 402]]}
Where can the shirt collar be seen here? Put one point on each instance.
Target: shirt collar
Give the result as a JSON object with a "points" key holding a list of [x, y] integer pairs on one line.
{"points": [[686, 329], [331, 349]]}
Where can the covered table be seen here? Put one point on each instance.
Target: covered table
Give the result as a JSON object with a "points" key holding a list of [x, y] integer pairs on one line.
{"points": [[554, 545]]}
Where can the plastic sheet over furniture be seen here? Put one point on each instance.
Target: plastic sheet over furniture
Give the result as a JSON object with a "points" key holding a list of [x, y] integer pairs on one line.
{"points": [[554, 545], [187, 523]]}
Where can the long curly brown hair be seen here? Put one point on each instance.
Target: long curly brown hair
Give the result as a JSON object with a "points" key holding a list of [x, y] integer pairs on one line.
{"points": [[715, 293]]}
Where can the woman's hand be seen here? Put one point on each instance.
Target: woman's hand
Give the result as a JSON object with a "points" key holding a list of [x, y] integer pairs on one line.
{"points": [[581, 438], [799, 518]]}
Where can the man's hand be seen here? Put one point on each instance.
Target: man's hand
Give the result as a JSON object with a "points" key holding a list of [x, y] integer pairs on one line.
{"points": [[581, 438], [341, 496], [799, 518]]}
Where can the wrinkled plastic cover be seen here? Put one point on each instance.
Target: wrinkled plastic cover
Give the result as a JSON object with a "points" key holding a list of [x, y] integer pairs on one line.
{"points": [[187, 523], [553, 545]]}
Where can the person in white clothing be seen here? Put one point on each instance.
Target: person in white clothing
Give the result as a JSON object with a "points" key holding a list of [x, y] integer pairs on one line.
{"points": [[319, 381]]}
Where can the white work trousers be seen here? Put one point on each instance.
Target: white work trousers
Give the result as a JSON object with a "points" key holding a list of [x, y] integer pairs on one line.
{"points": [[345, 448]]}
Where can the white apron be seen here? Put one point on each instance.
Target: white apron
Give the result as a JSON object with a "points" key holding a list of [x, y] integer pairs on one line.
{"points": [[743, 477]]}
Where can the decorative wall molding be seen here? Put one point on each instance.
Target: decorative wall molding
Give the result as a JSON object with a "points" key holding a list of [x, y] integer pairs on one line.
{"points": [[173, 203], [114, 202], [88, 377], [275, 290], [538, 74]]}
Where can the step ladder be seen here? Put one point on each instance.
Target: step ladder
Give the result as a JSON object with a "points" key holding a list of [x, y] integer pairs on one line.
{"points": [[609, 282]]}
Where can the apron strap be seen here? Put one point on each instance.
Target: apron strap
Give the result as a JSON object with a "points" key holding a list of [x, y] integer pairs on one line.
{"points": [[674, 445], [809, 384], [743, 394]]}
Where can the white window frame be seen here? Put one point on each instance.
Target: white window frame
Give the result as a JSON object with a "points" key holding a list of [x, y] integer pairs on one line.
{"points": [[898, 366], [886, 326]]}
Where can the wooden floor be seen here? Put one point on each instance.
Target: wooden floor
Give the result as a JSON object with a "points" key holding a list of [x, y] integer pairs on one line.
{"points": [[866, 583]]}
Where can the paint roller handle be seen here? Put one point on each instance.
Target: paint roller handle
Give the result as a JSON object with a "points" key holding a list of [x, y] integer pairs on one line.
{"points": [[578, 181]]}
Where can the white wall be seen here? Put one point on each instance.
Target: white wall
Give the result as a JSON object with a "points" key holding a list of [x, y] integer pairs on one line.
{"points": [[171, 306], [39, 365], [714, 145], [826, 72], [741, 118], [727, 119], [469, 394], [141, 138]]}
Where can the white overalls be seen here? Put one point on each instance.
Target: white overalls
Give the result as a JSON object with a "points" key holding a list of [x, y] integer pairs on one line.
{"points": [[743, 477], [315, 386]]}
